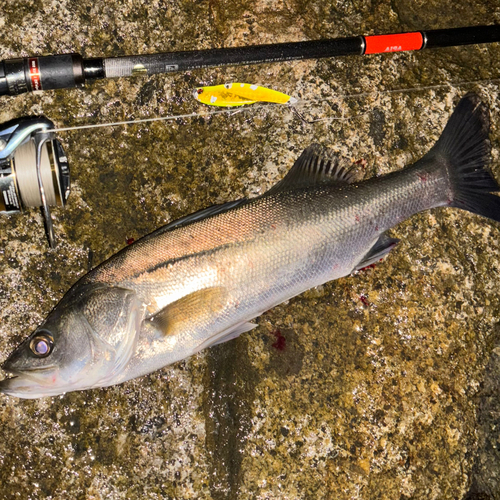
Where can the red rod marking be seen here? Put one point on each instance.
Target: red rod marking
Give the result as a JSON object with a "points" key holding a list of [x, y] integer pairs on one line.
{"points": [[36, 83], [399, 42]]}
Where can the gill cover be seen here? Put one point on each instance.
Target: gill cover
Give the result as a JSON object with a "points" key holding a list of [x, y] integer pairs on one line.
{"points": [[114, 316]]}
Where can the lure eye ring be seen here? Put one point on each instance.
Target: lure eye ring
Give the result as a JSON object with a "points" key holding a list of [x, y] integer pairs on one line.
{"points": [[42, 344]]}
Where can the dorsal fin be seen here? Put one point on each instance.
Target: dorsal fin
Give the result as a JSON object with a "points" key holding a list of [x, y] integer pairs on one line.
{"points": [[316, 165]]}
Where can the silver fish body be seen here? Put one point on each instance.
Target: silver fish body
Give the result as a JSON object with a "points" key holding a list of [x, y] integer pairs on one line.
{"points": [[241, 263], [200, 281]]}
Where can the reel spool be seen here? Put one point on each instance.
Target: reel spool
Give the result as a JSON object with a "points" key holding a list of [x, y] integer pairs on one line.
{"points": [[34, 169]]}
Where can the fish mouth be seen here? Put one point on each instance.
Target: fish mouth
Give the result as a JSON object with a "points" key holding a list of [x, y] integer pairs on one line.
{"points": [[15, 386], [25, 384], [7, 384]]}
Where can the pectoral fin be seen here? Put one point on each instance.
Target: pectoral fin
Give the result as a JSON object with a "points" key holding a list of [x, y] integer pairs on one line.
{"points": [[197, 307]]}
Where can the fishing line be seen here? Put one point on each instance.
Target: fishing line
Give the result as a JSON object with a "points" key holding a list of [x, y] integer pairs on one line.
{"points": [[414, 89], [194, 114], [27, 176], [302, 103], [34, 168], [157, 119], [360, 95]]}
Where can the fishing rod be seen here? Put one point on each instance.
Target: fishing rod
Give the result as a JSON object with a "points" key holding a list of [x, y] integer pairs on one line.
{"points": [[18, 76]]}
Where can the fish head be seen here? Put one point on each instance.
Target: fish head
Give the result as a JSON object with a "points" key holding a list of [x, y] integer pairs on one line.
{"points": [[197, 93], [85, 342]]}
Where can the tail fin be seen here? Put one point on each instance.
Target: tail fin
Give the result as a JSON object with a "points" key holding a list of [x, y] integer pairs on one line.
{"points": [[465, 148]]}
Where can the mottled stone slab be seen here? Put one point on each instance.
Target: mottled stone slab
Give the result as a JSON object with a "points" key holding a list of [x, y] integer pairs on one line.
{"points": [[363, 388]]}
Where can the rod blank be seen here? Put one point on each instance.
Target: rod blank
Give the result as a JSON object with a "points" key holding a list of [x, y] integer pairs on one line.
{"points": [[71, 70]]}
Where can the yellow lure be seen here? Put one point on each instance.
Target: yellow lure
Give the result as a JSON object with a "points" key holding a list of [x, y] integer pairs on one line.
{"points": [[239, 94]]}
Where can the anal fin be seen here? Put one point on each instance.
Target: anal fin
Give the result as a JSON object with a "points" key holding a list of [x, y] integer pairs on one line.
{"points": [[226, 335], [378, 251]]}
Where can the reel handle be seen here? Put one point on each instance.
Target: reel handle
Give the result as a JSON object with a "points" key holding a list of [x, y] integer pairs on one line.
{"points": [[40, 139]]}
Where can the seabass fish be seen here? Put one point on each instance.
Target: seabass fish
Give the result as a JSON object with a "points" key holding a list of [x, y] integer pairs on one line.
{"points": [[201, 280]]}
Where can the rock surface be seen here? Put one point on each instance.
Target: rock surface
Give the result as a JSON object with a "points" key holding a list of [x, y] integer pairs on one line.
{"points": [[368, 387]]}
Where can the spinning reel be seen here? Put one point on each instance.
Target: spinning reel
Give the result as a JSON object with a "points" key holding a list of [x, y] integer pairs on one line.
{"points": [[34, 169]]}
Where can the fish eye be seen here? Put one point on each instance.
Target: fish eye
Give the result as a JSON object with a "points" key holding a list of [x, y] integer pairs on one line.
{"points": [[200, 91], [41, 344]]}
